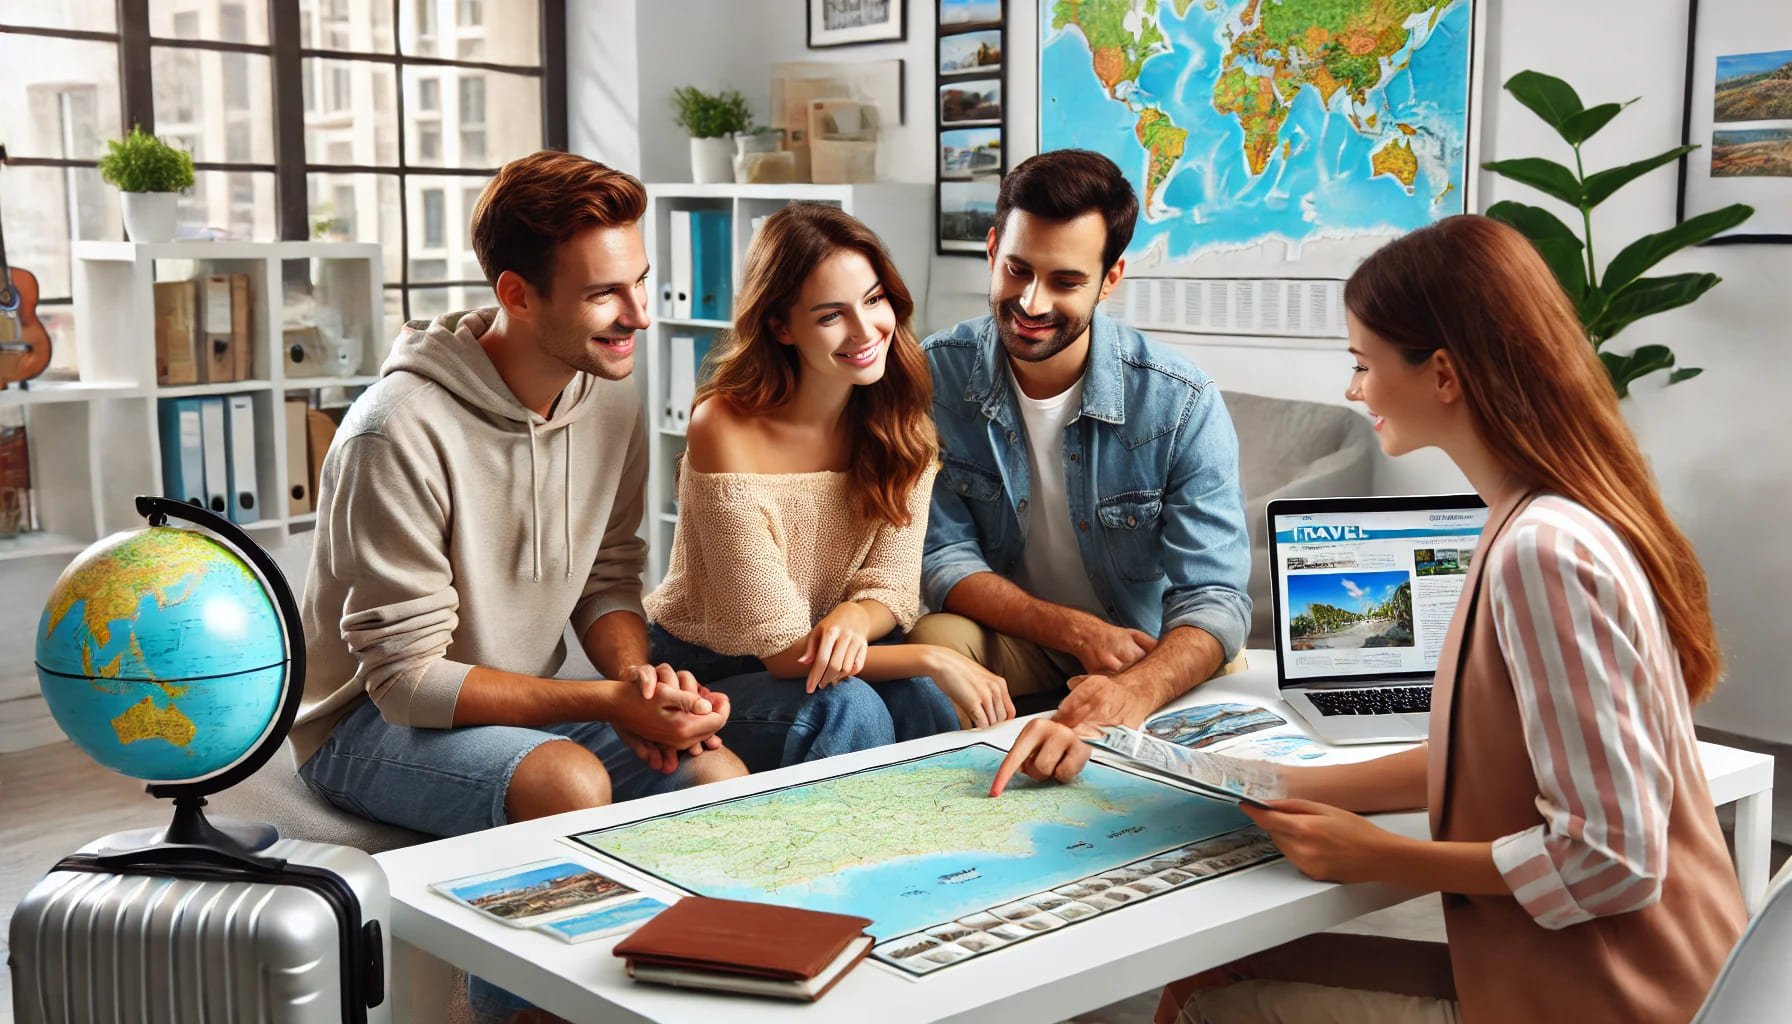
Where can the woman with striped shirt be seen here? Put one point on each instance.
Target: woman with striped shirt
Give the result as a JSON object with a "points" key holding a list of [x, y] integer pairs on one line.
{"points": [[1583, 873]]}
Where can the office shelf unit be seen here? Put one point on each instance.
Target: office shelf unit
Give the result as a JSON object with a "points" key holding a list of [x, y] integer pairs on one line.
{"points": [[900, 214], [95, 443]]}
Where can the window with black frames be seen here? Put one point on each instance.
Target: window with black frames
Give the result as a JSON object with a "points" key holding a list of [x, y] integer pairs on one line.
{"points": [[362, 120]]}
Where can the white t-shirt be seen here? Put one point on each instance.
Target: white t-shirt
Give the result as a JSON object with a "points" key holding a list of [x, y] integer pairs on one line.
{"points": [[1051, 566]]}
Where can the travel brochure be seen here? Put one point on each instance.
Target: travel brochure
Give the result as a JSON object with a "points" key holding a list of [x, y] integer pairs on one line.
{"points": [[1243, 731], [557, 897], [1231, 779]]}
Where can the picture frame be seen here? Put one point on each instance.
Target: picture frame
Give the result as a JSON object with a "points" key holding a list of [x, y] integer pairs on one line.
{"points": [[856, 22], [978, 52], [967, 153], [1738, 111], [966, 15], [967, 210], [971, 101], [970, 122]]}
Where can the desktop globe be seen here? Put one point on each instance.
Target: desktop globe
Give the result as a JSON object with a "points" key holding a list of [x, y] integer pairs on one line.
{"points": [[161, 654]]}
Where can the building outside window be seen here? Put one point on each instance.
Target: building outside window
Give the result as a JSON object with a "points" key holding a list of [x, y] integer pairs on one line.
{"points": [[361, 79]]}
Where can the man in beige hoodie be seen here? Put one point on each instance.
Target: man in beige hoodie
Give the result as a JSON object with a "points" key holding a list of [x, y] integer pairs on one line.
{"points": [[482, 495]]}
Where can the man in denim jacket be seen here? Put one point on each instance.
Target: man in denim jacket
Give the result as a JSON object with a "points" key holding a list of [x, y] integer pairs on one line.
{"points": [[1087, 531]]}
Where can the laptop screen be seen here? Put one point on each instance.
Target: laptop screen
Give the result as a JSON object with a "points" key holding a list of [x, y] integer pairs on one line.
{"points": [[1365, 587]]}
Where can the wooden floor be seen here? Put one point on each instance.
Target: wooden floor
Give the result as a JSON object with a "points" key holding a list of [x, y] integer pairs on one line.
{"points": [[54, 800]]}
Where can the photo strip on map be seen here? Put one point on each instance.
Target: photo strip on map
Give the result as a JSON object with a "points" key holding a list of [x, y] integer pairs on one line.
{"points": [[946, 873]]}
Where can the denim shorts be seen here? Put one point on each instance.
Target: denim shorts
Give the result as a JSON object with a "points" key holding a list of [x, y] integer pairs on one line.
{"points": [[448, 782]]}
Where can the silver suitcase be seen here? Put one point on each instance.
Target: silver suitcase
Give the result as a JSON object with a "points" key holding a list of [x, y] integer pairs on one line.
{"points": [[187, 934]]}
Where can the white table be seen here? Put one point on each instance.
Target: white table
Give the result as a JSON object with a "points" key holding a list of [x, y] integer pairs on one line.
{"points": [[1047, 978]]}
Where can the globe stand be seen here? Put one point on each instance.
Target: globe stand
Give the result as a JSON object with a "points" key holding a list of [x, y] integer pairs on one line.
{"points": [[191, 827], [189, 831]]}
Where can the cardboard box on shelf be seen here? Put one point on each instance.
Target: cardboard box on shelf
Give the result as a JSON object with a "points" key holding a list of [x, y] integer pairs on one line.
{"points": [[227, 348], [177, 332], [320, 430]]}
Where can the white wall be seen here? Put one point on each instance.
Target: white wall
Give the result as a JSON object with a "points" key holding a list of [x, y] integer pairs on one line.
{"points": [[1714, 441]]}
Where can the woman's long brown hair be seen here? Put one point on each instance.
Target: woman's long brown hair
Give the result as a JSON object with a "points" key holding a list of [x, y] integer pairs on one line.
{"points": [[1543, 403], [892, 438]]}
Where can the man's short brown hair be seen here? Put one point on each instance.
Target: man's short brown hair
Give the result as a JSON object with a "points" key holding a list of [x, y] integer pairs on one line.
{"points": [[541, 200]]}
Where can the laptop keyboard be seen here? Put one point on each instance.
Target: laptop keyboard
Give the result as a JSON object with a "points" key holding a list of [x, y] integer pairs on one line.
{"points": [[1385, 700]]}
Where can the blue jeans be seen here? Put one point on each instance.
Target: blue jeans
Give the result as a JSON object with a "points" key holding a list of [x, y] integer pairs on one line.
{"points": [[448, 782], [773, 723]]}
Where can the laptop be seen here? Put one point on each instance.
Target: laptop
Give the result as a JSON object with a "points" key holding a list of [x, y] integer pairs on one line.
{"points": [[1363, 591]]}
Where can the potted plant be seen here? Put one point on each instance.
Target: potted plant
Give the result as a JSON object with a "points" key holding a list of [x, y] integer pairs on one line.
{"points": [[1609, 302], [711, 118], [148, 172]]}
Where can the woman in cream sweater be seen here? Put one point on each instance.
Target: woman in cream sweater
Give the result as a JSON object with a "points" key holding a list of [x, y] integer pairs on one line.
{"points": [[803, 498]]}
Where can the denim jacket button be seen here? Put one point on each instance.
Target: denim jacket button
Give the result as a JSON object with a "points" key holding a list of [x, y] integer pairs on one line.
{"points": [[1021, 505], [1130, 521], [1084, 525], [1073, 456]]}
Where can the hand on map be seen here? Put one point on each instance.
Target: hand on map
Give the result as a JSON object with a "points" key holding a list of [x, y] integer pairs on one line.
{"points": [[979, 693], [835, 648], [676, 713], [1325, 842], [1104, 647], [1045, 749], [1102, 700]]}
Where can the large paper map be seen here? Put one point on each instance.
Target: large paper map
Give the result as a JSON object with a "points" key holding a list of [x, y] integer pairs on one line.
{"points": [[944, 871], [1275, 129]]}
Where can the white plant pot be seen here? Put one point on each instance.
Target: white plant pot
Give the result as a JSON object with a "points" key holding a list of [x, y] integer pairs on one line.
{"points": [[149, 216], [712, 160]]}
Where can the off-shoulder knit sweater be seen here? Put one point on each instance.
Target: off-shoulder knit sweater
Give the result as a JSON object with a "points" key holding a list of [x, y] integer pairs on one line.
{"points": [[759, 558]]}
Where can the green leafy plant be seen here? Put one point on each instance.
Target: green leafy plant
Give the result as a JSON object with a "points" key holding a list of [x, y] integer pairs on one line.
{"points": [[140, 162], [1621, 297], [710, 115]]}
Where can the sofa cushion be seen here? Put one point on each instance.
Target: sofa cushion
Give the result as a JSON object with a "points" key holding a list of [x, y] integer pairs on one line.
{"points": [[1293, 449], [277, 795]]}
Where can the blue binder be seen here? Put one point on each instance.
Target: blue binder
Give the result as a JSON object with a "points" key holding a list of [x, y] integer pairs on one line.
{"points": [[183, 452], [713, 289]]}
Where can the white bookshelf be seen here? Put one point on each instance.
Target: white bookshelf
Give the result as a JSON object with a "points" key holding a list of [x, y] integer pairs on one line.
{"points": [[900, 214], [95, 442]]}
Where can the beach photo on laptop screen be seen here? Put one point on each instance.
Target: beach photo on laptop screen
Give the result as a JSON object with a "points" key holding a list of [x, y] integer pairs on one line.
{"points": [[1365, 586]]}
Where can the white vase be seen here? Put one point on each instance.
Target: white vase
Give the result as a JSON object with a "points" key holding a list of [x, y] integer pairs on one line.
{"points": [[148, 216], [712, 160]]}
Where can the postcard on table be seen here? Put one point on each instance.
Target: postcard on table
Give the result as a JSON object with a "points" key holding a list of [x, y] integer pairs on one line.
{"points": [[529, 894], [605, 920]]}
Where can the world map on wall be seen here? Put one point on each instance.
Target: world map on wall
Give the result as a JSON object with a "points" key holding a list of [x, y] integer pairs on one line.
{"points": [[1307, 127]]}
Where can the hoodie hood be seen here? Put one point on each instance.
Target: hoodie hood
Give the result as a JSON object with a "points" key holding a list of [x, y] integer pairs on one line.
{"points": [[446, 350]]}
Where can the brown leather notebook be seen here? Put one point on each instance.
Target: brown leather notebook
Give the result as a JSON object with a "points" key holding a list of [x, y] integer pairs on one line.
{"points": [[741, 939]]}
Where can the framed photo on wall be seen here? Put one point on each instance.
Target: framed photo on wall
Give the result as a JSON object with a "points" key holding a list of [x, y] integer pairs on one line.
{"points": [[851, 22], [1738, 111], [971, 119]]}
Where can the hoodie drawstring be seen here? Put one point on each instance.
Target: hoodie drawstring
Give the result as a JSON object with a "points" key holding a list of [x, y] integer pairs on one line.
{"points": [[534, 504], [566, 494]]}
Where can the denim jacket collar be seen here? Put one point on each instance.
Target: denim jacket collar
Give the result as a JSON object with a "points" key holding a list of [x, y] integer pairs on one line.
{"points": [[1103, 395]]}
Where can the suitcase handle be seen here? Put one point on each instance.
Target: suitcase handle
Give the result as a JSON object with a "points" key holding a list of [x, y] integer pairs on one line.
{"points": [[217, 863], [360, 948]]}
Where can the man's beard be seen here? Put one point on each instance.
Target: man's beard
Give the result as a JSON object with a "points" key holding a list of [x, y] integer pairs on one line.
{"points": [[1037, 350]]}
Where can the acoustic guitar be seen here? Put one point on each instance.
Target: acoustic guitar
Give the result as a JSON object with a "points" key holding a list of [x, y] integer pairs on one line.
{"points": [[24, 342]]}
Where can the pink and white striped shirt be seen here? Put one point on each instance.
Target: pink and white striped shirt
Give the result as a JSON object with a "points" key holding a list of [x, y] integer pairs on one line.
{"points": [[1601, 699]]}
